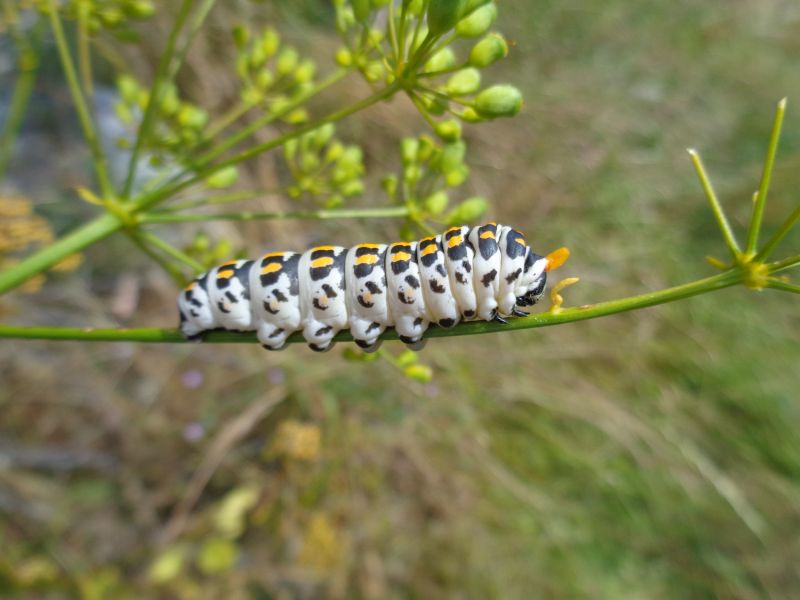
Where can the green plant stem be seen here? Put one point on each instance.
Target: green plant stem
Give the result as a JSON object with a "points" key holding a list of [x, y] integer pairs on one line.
{"points": [[766, 175], [162, 78], [719, 214], [84, 55], [778, 236], [567, 315], [93, 231], [194, 29], [23, 87], [81, 107], [170, 250], [784, 287], [783, 265], [173, 270], [351, 213]]}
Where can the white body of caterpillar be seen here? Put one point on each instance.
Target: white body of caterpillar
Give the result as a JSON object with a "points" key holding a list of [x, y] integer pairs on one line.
{"points": [[465, 273]]}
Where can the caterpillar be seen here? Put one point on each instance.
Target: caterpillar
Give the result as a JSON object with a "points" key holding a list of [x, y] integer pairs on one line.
{"points": [[483, 272]]}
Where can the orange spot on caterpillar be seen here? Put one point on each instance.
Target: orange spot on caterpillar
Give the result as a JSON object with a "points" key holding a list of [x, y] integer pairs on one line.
{"points": [[367, 259], [325, 261], [271, 268], [486, 235]]}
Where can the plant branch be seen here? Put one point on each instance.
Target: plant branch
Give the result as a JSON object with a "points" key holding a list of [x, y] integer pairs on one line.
{"points": [[778, 236], [727, 279], [766, 175], [784, 286], [93, 231], [81, 107], [171, 251], [339, 213], [162, 77], [716, 208]]}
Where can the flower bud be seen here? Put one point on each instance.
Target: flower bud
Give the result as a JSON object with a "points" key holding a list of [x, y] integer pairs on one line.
{"points": [[489, 50], [128, 88], [305, 71], [140, 9], [421, 373], [389, 185], [457, 176], [444, 14], [192, 117], [478, 22], [360, 10], [344, 58], [374, 70], [498, 101], [223, 178], [436, 203], [443, 59], [241, 35], [408, 150], [464, 82], [467, 211], [287, 61], [270, 40], [449, 130], [452, 156]]}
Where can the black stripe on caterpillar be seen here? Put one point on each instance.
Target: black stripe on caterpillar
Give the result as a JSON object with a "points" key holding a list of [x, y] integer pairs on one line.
{"points": [[483, 272]]}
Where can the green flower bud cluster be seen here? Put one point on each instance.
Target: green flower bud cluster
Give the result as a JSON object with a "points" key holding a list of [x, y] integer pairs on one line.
{"points": [[428, 170], [208, 254], [324, 168], [273, 74], [113, 15], [179, 124], [419, 47]]}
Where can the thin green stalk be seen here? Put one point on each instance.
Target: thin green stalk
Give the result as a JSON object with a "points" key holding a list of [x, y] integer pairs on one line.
{"points": [[784, 287], [229, 198], [162, 77], [778, 236], [157, 196], [84, 55], [269, 118], [93, 231], [351, 213], [23, 87], [716, 208], [783, 265], [546, 319], [766, 175], [197, 24], [81, 107], [170, 250], [172, 269]]}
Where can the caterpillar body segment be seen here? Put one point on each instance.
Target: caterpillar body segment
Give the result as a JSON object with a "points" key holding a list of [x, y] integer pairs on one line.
{"points": [[367, 297], [229, 292], [458, 259], [323, 305], [484, 272], [195, 308], [275, 294], [406, 299], [486, 267], [440, 303]]}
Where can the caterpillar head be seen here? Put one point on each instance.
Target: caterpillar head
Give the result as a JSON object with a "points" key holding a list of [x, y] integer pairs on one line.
{"points": [[533, 280], [534, 275]]}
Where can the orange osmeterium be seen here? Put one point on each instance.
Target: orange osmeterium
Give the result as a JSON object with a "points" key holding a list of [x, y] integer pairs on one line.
{"points": [[556, 258]]}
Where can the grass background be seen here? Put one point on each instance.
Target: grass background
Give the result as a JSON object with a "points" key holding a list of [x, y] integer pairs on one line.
{"points": [[646, 455]]}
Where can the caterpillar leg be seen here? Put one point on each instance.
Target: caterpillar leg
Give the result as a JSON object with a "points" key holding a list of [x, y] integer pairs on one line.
{"points": [[319, 335], [271, 336], [415, 345], [367, 346]]}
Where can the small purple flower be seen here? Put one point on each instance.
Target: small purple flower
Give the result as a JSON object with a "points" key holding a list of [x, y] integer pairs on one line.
{"points": [[192, 379], [193, 432]]}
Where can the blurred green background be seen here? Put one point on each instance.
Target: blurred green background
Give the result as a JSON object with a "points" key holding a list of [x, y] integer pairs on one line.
{"points": [[648, 455]]}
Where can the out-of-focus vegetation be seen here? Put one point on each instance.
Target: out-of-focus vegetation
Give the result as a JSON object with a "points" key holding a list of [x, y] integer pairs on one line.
{"points": [[653, 454]]}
